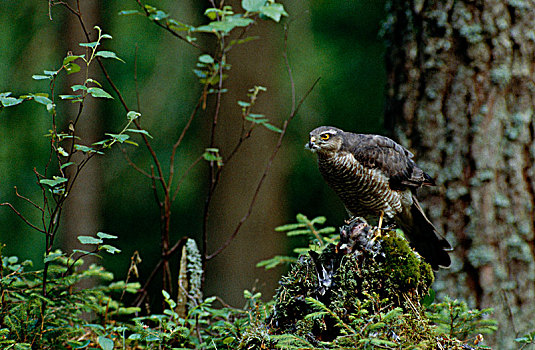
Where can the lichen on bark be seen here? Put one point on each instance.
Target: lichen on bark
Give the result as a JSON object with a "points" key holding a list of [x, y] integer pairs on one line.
{"points": [[460, 95]]}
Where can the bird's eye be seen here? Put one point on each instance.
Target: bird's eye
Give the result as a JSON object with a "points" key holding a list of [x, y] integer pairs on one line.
{"points": [[325, 137]]}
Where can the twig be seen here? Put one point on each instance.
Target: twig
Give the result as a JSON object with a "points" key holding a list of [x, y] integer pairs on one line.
{"points": [[22, 217], [143, 291], [264, 175], [133, 165], [293, 112], [175, 34], [27, 200], [179, 141], [135, 81], [184, 176]]}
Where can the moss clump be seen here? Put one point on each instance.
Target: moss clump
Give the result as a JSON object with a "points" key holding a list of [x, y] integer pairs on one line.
{"points": [[365, 290]]}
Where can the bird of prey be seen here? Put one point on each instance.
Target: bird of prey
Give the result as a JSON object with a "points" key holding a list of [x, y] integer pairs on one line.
{"points": [[375, 176]]}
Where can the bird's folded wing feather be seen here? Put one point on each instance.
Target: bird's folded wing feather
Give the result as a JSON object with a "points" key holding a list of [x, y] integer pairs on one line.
{"points": [[394, 160]]}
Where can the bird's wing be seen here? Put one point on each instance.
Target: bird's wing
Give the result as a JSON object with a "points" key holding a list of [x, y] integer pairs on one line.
{"points": [[394, 160]]}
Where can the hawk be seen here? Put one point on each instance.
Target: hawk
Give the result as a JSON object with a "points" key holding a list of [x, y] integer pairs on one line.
{"points": [[375, 176]]}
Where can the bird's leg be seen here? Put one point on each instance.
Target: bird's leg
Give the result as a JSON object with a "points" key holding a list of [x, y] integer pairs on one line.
{"points": [[378, 227], [380, 222]]}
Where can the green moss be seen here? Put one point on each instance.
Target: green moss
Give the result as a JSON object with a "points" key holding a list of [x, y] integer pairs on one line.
{"points": [[405, 271], [375, 272]]}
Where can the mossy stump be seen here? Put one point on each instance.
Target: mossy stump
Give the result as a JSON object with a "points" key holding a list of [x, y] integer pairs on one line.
{"points": [[366, 274]]}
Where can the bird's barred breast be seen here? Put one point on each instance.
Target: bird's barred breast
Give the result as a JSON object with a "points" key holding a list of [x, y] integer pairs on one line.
{"points": [[364, 191]]}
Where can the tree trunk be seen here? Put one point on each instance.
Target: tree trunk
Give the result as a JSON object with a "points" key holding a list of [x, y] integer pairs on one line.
{"points": [[460, 94], [256, 240], [82, 209]]}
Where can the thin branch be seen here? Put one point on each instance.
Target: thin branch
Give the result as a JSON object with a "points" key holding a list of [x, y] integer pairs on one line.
{"points": [[135, 81], [166, 27], [143, 291], [214, 177], [23, 218], [179, 141], [28, 200], [133, 165], [182, 178], [264, 175]]}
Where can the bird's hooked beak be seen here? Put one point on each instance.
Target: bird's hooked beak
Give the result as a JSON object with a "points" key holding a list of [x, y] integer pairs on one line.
{"points": [[311, 144]]}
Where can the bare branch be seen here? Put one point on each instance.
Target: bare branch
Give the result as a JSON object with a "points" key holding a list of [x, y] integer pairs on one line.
{"points": [[184, 176], [133, 165], [23, 218], [27, 200], [143, 291], [264, 175], [179, 141]]}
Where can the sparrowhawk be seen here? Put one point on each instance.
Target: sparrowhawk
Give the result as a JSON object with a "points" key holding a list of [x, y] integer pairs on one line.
{"points": [[373, 175]]}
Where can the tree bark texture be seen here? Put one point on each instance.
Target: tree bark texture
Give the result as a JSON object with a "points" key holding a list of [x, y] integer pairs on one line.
{"points": [[460, 94]]}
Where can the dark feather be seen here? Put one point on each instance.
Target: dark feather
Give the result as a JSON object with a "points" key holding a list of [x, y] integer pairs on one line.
{"points": [[394, 160]]}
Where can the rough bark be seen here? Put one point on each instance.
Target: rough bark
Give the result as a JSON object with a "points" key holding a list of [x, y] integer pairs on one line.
{"points": [[461, 95]]}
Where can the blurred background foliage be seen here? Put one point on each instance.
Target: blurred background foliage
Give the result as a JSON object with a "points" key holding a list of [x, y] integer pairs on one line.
{"points": [[337, 41]]}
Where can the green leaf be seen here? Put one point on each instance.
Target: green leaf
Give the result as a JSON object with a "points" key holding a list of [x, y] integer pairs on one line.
{"points": [[71, 58], [119, 137], [89, 80], [298, 232], [41, 77], [78, 87], [71, 97], [86, 149], [52, 257], [108, 54], [106, 36], [91, 45], [243, 104], [62, 152], [319, 220], [110, 249], [98, 92], [9, 101], [56, 180], [129, 12], [72, 68], [226, 25], [144, 132], [252, 5], [105, 343], [272, 127], [273, 11], [130, 142], [105, 235], [206, 59], [212, 155], [158, 15], [288, 227], [89, 240], [66, 165], [166, 295], [44, 100], [132, 115]]}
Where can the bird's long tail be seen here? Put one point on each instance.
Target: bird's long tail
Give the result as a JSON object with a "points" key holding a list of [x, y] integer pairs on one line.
{"points": [[424, 237]]}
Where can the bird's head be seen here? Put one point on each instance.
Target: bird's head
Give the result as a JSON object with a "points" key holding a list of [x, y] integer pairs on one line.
{"points": [[325, 139]]}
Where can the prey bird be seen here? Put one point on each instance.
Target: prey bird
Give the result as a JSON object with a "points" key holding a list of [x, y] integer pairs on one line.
{"points": [[375, 176]]}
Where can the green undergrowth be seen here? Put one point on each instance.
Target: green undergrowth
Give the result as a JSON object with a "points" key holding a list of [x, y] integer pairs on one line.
{"points": [[336, 295]]}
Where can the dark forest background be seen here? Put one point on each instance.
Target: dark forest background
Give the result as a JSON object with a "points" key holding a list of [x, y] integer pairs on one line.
{"points": [[452, 81], [338, 43]]}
